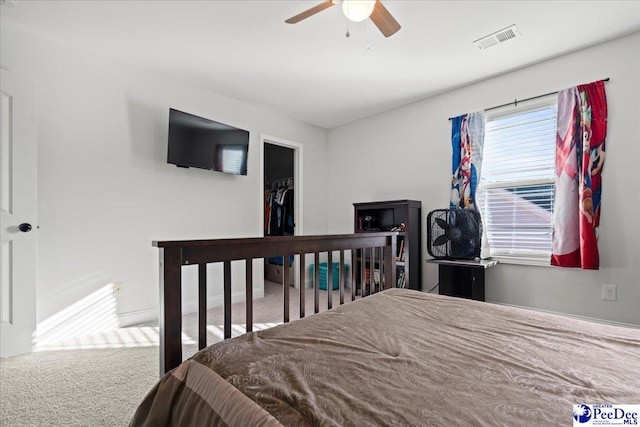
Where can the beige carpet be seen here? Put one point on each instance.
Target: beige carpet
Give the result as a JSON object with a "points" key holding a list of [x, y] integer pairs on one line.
{"points": [[99, 380], [76, 387]]}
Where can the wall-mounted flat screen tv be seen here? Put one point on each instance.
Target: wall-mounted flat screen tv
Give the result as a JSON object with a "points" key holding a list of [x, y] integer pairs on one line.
{"points": [[202, 143]]}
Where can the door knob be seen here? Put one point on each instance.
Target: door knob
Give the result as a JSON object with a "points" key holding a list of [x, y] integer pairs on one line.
{"points": [[24, 227]]}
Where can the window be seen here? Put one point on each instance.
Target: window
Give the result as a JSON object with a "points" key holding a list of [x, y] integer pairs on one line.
{"points": [[516, 188]]}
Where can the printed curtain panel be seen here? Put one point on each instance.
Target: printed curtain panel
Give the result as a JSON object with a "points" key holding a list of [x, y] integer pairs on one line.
{"points": [[467, 138], [580, 153]]}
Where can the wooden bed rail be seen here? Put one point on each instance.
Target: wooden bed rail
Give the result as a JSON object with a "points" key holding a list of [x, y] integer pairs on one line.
{"points": [[175, 254]]}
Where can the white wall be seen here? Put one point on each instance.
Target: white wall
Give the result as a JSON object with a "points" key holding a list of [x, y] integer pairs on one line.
{"points": [[405, 153], [105, 190]]}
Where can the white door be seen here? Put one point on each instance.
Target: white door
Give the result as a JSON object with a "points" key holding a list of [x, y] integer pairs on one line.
{"points": [[18, 191]]}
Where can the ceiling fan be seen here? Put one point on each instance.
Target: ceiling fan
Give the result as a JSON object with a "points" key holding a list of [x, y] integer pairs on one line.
{"points": [[356, 10]]}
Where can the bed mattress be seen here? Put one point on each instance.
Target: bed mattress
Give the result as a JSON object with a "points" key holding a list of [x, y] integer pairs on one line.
{"points": [[402, 357]]}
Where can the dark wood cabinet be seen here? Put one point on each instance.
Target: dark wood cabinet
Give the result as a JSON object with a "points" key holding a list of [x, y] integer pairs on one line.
{"points": [[462, 278], [387, 215]]}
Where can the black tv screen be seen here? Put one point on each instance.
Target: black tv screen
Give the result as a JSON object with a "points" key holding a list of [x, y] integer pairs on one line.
{"points": [[202, 143]]}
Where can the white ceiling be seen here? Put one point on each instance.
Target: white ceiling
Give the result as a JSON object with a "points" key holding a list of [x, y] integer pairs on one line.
{"points": [[310, 70]]}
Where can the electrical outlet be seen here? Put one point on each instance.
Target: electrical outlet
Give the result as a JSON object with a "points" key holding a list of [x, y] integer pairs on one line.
{"points": [[117, 288], [609, 292]]}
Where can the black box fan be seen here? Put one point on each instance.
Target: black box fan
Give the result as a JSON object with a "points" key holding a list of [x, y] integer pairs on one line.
{"points": [[454, 233]]}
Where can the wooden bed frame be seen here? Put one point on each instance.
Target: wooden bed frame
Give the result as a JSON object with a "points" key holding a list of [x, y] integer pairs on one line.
{"points": [[419, 359], [175, 254]]}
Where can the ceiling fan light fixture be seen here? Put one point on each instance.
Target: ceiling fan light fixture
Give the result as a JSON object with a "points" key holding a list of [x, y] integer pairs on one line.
{"points": [[358, 10]]}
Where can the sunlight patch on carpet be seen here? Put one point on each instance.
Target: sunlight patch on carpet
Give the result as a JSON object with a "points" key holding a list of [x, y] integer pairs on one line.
{"points": [[145, 336]]}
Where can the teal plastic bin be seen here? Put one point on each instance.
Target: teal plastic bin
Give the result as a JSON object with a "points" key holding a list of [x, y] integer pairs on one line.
{"points": [[335, 274]]}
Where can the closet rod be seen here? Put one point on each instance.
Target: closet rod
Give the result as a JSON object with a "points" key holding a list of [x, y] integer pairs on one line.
{"points": [[515, 101], [286, 182]]}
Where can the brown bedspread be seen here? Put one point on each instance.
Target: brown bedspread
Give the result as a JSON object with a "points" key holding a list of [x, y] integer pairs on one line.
{"points": [[401, 358]]}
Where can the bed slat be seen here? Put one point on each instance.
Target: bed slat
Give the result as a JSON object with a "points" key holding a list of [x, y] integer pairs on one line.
{"points": [[249, 293], [354, 268], [316, 283], [285, 288], [362, 271], [389, 265], [329, 280], [342, 276], [202, 306], [372, 271], [302, 286], [227, 299]]}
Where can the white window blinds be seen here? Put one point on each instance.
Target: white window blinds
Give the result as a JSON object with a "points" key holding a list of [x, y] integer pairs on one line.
{"points": [[517, 183]]}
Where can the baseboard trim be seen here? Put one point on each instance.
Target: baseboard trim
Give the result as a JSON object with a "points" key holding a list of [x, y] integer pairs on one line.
{"points": [[575, 316], [147, 315], [138, 317]]}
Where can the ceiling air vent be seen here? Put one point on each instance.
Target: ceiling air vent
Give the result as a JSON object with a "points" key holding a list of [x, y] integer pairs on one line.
{"points": [[497, 37]]}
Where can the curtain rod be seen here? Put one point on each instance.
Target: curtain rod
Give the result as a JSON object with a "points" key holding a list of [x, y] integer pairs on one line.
{"points": [[515, 101]]}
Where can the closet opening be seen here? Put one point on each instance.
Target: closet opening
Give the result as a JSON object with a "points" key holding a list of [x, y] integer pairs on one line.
{"points": [[280, 202]]}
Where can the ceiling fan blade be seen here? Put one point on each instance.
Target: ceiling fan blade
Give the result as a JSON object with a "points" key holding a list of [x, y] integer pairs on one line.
{"points": [[443, 224], [310, 12], [440, 240], [383, 20]]}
